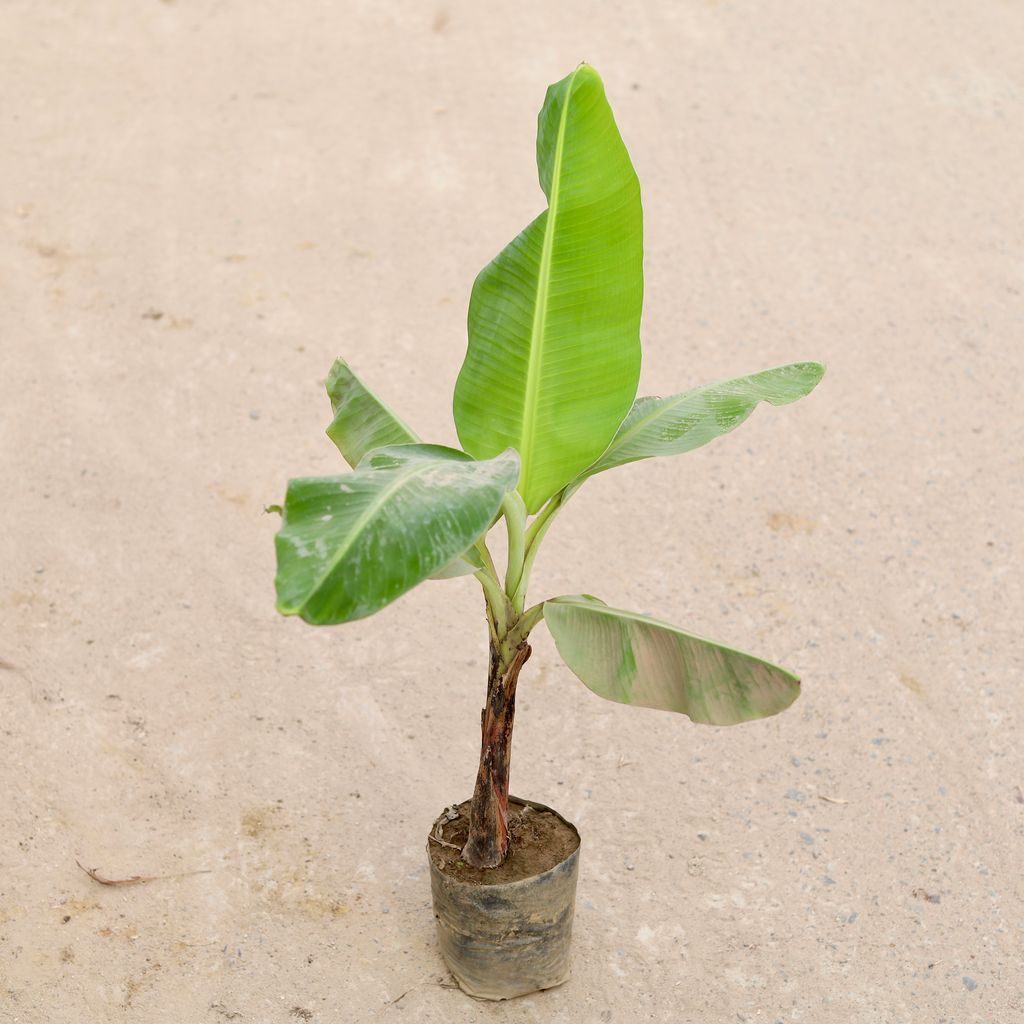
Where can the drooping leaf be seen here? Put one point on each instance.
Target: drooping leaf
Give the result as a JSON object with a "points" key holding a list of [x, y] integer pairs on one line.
{"points": [[634, 659], [680, 423], [469, 561], [361, 421], [554, 344], [348, 545]]}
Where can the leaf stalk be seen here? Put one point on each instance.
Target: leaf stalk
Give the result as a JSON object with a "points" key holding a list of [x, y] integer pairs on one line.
{"points": [[515, 522], [534, 537]]}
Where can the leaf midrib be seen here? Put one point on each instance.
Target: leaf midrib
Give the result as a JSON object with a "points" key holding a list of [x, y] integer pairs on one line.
{"points": [[665, 405], [403, 477], [530, 392]]}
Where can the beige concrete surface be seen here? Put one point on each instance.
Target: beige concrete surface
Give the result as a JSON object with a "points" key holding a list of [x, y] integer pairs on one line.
{"points": [[202, 203]]}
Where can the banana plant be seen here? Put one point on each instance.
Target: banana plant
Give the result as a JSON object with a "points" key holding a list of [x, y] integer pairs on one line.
{"points": [[545, 399]]}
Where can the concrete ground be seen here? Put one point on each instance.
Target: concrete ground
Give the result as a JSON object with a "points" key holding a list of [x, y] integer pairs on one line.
{"points": [[203, 203]]}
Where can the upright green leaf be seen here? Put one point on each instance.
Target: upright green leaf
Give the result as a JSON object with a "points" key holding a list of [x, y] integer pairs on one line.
{"points": [[348, 545], [361, 421], [633, 659], [680, 423], [554, 320]]}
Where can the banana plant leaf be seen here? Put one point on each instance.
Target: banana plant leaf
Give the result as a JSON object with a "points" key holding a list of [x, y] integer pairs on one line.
{"points": [[466, 564], [680, 423], [361, 421], [348, 545], [637, 660], [554, 319]]}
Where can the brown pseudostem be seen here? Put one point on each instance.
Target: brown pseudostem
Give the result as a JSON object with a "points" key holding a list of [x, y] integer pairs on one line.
{"points": [[488, 840]]}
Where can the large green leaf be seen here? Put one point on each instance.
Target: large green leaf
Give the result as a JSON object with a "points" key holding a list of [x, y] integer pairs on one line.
{"points": [[554, 320], [680, 423], [637, 660], [348, 545], [361, 421]]}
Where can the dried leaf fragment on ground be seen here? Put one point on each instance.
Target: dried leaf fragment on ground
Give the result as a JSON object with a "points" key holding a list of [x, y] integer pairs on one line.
{"points": [[94, 874]]}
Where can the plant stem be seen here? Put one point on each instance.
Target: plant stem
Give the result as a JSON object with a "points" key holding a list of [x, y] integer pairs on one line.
{"points": [[539, 525], [526, 622], [488, 841], [498, 606], [485, 556], [534, 536]]}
